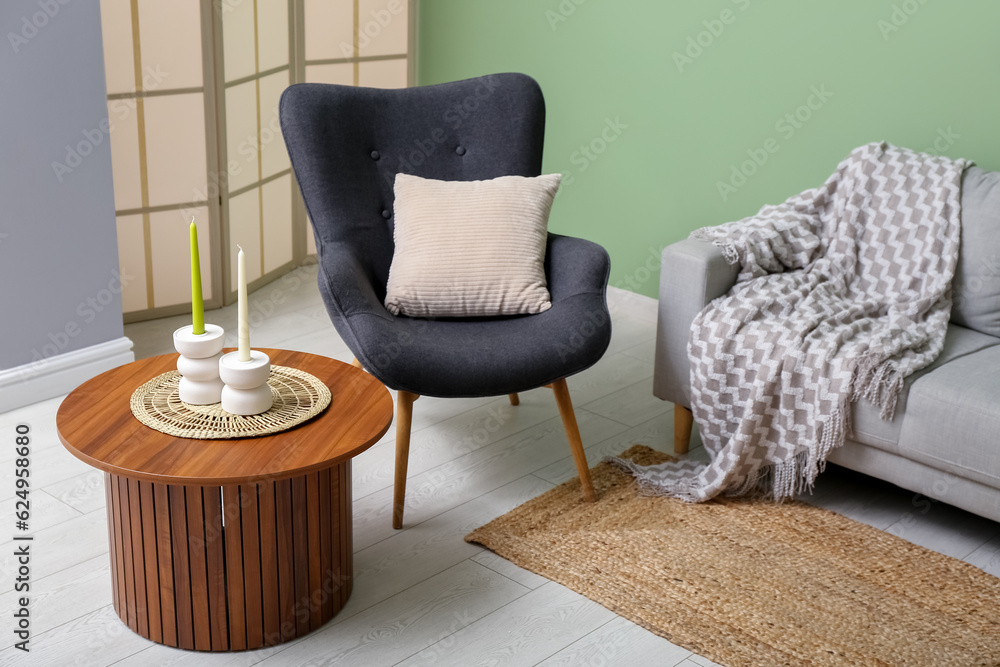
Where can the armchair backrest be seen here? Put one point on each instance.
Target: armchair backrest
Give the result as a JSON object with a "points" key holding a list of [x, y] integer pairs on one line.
{"points": [[347, 144]]}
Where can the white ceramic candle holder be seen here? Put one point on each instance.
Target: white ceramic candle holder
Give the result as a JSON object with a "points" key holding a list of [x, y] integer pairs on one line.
{"points": [[246, 391], [198, 364]]}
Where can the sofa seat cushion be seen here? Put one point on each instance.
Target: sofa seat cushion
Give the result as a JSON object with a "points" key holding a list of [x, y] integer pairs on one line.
{"points": [[871, 429], [952, 421]]}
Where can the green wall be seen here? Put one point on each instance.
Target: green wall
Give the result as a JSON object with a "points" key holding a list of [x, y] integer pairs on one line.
{"points": [[924, 74]]}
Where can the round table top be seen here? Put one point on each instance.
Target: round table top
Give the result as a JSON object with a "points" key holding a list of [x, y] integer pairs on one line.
{"points": [[96, 424]]}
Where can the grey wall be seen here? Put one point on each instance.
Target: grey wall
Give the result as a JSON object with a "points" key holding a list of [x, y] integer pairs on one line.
{"points": [[59, 289]]}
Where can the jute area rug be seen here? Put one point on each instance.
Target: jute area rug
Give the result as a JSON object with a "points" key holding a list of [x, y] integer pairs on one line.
{"points": [[754, 583]]}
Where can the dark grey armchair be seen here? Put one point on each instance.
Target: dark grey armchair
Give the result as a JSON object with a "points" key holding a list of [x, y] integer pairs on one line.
{"points": [[346, 145]]}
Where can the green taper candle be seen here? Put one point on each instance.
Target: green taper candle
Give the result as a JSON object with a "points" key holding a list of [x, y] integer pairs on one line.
{"points": [[197, 304]]}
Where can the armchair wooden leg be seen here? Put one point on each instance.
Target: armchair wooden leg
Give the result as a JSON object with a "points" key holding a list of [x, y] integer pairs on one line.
{"points": [[404, 415], [357, 364], [573, 435], [682, 429], [514, 400]]}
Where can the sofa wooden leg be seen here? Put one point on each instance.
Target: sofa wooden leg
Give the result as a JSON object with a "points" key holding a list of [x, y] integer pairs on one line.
{"points": [[357, 364], [514, 400], [683, 419], [404, 415], [573, 435]]}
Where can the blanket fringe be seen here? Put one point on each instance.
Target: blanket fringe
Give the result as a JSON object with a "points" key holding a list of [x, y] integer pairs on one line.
{"points": [[877, 381], [786, 479], [777, 482], [880, 382], [729, 249], [683, 489]]}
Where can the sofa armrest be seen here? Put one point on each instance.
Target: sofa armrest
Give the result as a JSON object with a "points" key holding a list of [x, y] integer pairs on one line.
{"points": [[692, 274]]}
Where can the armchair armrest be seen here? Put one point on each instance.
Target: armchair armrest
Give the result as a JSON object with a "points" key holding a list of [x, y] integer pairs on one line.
{"points": [[355, 290], [575, 266], [692, 274], [346, 285]]}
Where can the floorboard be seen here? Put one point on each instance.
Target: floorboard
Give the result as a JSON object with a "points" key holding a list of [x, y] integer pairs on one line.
{"points": [[618, 642], [524, 632], [408, 622]]}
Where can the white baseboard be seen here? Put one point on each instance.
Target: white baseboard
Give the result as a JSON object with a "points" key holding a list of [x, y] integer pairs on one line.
{"points": [[636, 305], [60, 374]]}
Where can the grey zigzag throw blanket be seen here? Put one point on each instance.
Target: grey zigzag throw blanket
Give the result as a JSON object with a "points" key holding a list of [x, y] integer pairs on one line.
{"points": [[844, 291]]}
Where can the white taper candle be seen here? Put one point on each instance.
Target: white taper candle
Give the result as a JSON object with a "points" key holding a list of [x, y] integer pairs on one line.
{"points": [[243, 321]]}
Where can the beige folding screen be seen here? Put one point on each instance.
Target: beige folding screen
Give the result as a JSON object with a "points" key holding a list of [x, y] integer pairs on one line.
{"points": [[360, 43], [257, 184], [193, 90]]}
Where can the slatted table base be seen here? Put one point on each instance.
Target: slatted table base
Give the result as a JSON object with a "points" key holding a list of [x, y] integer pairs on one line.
{"points": [[230, 568]]}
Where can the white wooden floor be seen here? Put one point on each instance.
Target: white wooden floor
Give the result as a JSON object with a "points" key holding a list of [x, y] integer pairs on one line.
{"points": [[421, 595]]}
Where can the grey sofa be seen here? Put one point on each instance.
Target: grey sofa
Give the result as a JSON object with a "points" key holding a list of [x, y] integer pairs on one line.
{"points": [[945, 439]]}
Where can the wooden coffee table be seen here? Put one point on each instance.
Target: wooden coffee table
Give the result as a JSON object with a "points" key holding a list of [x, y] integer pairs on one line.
{"points": [[226, 545]]}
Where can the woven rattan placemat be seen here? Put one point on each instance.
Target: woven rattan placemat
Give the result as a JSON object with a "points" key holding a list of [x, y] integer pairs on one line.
{"points": [[753, 583], [298, 397]]}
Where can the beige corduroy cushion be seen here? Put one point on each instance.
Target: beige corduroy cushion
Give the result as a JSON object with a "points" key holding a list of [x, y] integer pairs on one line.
{"points": [[470, 248]]}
